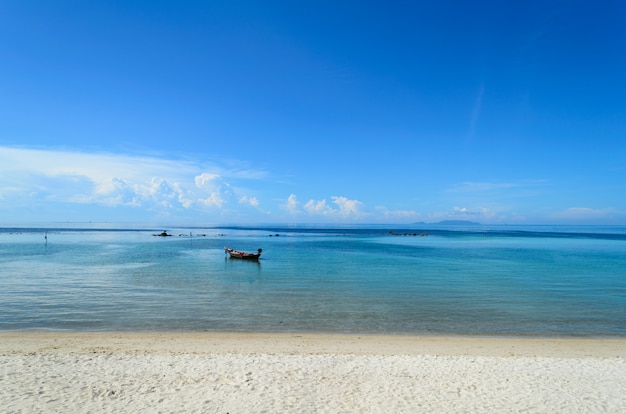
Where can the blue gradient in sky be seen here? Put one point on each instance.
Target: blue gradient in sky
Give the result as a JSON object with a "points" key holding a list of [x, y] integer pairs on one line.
{"points": [[304, 112]]}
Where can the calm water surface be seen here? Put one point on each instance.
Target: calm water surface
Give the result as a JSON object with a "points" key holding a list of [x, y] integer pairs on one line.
{"points": [[475, 280]]}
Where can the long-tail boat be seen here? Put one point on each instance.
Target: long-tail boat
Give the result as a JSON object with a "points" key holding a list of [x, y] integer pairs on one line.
{"points": [[236, 254]]}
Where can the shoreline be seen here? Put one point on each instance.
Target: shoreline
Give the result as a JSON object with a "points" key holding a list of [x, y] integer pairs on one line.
{"points": [[232, 372], [219, 342]]}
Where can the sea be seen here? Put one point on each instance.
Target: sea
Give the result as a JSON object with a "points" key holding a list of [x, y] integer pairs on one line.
{"points": [[368, 279]]}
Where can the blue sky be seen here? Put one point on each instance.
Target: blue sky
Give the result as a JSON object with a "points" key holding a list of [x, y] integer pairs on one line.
{"points": [[202, 112]]}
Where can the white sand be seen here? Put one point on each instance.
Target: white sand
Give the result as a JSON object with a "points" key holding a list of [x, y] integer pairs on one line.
{"points": [[290, 373]]}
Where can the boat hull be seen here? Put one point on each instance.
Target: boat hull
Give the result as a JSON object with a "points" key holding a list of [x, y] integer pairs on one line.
{"points": [[236, 254]]}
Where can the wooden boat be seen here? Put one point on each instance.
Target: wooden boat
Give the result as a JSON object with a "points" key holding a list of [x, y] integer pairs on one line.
{"points": [[236, 254]]}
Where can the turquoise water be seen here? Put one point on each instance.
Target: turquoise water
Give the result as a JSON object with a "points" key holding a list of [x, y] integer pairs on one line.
{"points": [[474, 280]]}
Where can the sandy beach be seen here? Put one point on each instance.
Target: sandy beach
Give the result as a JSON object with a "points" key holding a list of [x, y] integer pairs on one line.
{"points": [[42, 372]]}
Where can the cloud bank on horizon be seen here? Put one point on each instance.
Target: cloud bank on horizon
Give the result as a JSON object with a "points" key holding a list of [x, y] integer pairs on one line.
{"points": [[34, 183]]}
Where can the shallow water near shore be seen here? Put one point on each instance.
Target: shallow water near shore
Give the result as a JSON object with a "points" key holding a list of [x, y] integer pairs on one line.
{"points": [[476, 280]]}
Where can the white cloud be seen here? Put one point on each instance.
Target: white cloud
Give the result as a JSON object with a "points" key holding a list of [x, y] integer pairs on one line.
{"points": [[463, 211], [205, 179], [317, 207], [347, 209], [292, 204], [100, 168], [114, 180], [252, 201], [214, 199]]}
